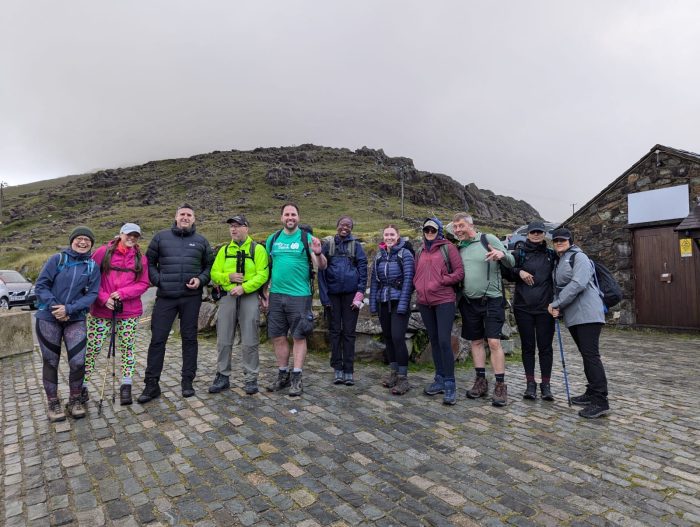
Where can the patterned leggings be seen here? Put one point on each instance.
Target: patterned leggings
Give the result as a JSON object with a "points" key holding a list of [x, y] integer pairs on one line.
{"points": [[99, 330], [50, 334]]}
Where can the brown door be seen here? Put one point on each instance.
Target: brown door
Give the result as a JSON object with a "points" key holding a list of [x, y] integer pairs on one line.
{"points": [[659, 302]]}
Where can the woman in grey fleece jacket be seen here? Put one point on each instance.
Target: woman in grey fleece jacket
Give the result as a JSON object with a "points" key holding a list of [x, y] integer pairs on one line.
{"points": [[578, 300]]}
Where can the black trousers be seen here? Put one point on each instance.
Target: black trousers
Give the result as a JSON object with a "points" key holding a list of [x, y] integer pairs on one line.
{"points": [[438, 322], [587, 337], [164, 312], [536, 330], [394, 328], [343, 321]]}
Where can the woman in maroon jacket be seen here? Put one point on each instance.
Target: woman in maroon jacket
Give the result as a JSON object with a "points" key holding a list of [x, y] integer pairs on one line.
{"points": [[439, 269]]}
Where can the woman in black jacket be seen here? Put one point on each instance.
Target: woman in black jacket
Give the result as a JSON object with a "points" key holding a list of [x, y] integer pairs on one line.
{"points": [[533, 293]]}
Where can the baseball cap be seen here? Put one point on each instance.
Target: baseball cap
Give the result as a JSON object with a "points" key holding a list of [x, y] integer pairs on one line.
{"points": [[128, 228], [240, 219]]}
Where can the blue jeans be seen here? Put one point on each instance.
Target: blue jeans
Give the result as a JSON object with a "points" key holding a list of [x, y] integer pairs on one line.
{"points": [[438, 322]]}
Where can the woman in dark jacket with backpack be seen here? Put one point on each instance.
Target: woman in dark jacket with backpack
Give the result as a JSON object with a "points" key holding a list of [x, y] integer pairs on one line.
{"points": [[533, 294], [578, 300], [341, 287], [438, 269], [390, 297]]}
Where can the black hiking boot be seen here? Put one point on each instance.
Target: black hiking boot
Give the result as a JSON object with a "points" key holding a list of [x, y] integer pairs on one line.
{"points": [[530, 390], [150, 392]]}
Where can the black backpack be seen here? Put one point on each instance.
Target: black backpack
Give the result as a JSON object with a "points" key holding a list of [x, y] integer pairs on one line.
{"points": [[609, 289]]}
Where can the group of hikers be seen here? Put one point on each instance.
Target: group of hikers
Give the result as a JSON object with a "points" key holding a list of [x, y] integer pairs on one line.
{"points": [[85, 298]]}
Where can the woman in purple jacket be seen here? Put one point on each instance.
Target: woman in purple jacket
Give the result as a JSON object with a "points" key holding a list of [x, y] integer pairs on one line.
{"points": [[390, 297], [124, 280], [438, 269]]}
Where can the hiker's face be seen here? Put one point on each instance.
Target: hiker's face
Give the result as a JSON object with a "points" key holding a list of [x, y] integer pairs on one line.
{"points": [[535, 236], [81, 244], [184, 218], [238, 232], [430, 233], [391, 237], [130, 239], [290, 217], [463, 230], [344, 228], [561, 245]]}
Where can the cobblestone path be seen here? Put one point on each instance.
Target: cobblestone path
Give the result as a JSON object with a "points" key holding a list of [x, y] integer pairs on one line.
{"points": [[358, 455]]}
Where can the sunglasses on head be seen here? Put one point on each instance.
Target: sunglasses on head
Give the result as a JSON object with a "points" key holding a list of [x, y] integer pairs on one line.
{"points": [[429, 229]]}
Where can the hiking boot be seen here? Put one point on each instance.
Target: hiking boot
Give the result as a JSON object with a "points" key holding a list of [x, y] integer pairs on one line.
{"points": [[530, 390], [74, 408], [84, 395], [125, 395], [251, 387], [150, 392], [546, 392], [349, 379], [296, 387], [480, 388], [187, 389], [389, 379], [582, 400], [280, 383], [436, 387], [500, 394], [338, 377], [55, 413], [450, 397], [401, 386], [595, 409], [220, 383]]}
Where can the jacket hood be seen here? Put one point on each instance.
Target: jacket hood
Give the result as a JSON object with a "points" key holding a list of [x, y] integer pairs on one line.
{"points": [[395, 248], [531, 247]]}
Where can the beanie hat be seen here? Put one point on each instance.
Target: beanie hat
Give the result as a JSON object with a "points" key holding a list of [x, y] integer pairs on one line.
{"points": [[81, 231]]}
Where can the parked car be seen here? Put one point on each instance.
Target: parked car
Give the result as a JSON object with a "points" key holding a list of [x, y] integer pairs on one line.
{"points": [[20, 291], [4, 296], [517, 238]]}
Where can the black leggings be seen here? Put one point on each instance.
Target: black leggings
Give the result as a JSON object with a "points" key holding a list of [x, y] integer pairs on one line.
{"points": [[587, 337], [536, 329], [394, 328]]}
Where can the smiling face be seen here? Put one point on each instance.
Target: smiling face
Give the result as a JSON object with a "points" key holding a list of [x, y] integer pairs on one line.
{"points": [[290, 217], [344, 228], [129, 239], [81, 244], [239, 233], [184, 218], [561, 245], [430, 233], [463, 230], [390, 237]]}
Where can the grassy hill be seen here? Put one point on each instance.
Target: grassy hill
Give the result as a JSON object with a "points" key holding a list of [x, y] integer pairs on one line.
{"points": [[325, 182]]}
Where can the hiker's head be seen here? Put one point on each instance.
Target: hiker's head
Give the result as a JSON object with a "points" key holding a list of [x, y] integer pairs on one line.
{"points": [[536, 231], [129, 234], [432, 228], [184, 217], [238, 227], [463, 226], [81, 239], [344, 226], [390, 235], [562, 240], [290, 216]]}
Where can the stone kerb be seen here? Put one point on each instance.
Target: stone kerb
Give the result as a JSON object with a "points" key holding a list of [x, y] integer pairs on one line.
{"points": [[15, 333]]}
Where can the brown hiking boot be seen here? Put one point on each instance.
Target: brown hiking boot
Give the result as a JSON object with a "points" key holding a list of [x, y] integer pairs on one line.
{"points": [[401, 386], [55, 413], [389, 379], [281, 382], [500, 394], [480, 388], [74, 408]]}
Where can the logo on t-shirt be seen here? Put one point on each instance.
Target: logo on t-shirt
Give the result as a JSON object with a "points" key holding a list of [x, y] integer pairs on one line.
{"points": [[294, 246]]}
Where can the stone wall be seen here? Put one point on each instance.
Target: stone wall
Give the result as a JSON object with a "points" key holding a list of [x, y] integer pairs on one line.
{"points": [[601, 230]]}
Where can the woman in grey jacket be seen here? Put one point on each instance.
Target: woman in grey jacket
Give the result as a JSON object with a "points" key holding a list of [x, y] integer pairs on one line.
{"points": [[578, 300]]}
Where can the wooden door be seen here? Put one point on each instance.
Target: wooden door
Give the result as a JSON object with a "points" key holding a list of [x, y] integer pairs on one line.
{"points": [[674, 304]]}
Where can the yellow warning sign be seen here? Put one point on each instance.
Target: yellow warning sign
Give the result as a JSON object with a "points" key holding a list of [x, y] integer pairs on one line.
{"points": [[686, 247]]}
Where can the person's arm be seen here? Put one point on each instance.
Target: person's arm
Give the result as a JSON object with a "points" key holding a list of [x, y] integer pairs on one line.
{"points": [[98, 256], [207, 261], [44, 282], [219, 276], [457, 274], [582, 272], [404, 305], [262, 271], [373, 291], [83, 302], [361, 260], [139, 286], [152, 256], [317, 257], [498, 252]]}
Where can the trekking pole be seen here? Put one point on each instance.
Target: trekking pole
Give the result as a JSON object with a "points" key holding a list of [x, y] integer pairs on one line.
{"points": [[110, 351], [240, 268], [563, 363]]}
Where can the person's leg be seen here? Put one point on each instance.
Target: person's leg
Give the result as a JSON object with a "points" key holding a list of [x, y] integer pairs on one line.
{"points": [[277, 329], [189, 319], [399, 324], [126, 342], [389, 379], [49, 334], [225, 321], [349, 317], [249, 324], [445, 315], [164, 312], [334, 332], [98, 329], [526, 330], [588, 344], [544, 326], [75, 337], [430, 320]]}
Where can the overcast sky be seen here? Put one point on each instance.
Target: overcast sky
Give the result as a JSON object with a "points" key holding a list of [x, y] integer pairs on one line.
{"points": [[547, 101]]}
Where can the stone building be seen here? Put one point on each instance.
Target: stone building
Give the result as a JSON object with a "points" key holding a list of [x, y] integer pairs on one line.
{"points": [[629, 226]]}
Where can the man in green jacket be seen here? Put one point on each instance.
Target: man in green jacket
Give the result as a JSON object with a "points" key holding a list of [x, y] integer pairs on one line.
{"points": [[240, 269], [483, 304]]}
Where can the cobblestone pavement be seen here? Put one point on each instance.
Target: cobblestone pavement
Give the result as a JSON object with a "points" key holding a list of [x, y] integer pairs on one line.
{"points": [[360, 456]]}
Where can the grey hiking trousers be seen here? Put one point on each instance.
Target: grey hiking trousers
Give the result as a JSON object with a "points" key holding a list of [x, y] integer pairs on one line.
{"points": [[249, 332]]}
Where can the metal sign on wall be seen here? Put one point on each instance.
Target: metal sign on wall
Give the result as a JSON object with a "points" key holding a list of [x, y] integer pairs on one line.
{"points": [[686, 246]]}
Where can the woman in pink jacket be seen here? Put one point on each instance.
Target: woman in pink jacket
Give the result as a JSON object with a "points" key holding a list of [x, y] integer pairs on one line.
{"points": [[439, 269], [124, 279]]}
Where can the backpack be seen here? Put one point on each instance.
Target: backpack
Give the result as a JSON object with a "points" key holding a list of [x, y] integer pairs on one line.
{"points": [[63, 263], [305, 231], [608, 287], [330, 240]]}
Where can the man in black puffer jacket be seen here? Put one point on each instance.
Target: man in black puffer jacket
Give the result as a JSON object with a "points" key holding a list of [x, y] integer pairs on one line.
{"points": [[179, 264]]}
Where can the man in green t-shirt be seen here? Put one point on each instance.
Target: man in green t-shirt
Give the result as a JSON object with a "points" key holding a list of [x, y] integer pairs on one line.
{"points": [[289, 308]]}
